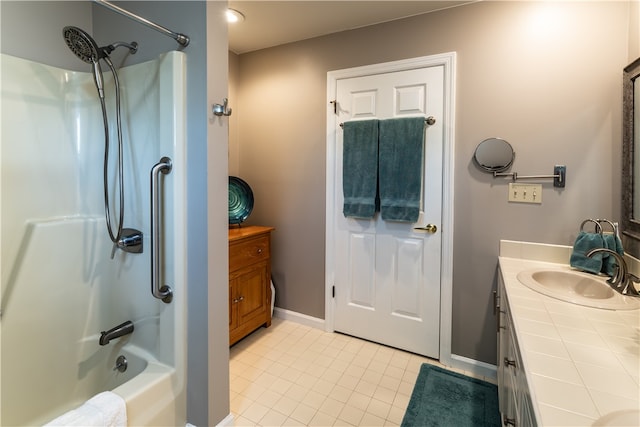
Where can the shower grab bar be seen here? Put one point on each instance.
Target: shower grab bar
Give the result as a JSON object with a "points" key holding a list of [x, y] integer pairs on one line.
{"points": [[164, 293], [182, 39]]}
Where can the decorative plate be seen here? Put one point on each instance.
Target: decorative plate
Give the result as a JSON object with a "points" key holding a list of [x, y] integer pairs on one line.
{"points": [[240, 200]]}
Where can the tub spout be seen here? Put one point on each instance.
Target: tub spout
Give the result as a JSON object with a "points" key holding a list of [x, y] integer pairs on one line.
{"points": [[120, 330]]}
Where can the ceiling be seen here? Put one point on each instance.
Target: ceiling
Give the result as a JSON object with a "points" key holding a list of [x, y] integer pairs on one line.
{"points": [[271, 23]]}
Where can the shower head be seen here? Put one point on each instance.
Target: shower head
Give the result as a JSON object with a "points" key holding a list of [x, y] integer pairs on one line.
{"points": [[82, 44], [85, 48]]}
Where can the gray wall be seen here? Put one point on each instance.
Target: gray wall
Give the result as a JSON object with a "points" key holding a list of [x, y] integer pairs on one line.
{"points": [[27, 34], [216, 255], [544, 76], [33, 30], [234, 130]]}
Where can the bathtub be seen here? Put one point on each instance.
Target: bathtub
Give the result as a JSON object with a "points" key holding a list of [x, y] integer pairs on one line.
{"points": [[150, 397], [53, 315], [60, 287], [145, 385]]}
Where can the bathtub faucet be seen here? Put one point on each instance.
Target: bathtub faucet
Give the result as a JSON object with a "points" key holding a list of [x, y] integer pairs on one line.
{"points": [[113, 333]]}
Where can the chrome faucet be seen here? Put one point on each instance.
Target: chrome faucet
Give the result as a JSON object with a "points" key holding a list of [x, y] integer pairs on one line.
{"points": [[113, 333], [622, 281]]}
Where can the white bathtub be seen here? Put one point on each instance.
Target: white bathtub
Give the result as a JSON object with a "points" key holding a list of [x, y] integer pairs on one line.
{"points": [[150, 394]]}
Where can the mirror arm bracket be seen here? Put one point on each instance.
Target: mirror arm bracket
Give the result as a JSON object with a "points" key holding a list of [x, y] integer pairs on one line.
{"points": [[559, 176]]}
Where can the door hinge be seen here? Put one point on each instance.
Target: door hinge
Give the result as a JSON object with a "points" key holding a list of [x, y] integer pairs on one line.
{"points": [[335, 106], [333, 291]]}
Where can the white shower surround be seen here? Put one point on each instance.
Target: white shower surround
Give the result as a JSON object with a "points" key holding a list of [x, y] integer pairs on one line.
{"points": [[59, 286]]}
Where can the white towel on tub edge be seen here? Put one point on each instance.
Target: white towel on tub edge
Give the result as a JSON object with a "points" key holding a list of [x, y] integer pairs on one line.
{"points": [[105, 409]]}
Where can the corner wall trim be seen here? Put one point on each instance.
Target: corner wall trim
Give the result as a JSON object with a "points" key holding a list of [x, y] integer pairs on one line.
{"points": [[226, 422]]}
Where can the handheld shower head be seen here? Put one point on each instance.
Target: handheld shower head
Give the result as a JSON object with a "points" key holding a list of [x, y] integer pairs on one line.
{"points": [[85, 48], [81, 44]]}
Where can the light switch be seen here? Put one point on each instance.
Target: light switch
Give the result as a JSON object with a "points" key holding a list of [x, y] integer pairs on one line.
{"points": [[525, 193]]}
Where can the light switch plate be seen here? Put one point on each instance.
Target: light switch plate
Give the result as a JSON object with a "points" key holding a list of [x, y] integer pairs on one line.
{"points": [[525, 193]]}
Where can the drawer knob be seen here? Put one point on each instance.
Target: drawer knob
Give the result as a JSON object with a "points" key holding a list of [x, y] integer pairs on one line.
{"points": [[259, 250]]}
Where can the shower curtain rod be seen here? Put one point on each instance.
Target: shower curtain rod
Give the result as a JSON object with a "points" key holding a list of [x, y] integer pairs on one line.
{"points": [[182, 39]]}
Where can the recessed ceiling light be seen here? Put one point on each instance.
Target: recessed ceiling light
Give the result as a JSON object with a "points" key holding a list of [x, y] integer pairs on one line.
{"points": [[234, 16]]}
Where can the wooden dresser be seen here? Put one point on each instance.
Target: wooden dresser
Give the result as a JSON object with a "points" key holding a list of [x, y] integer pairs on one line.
{"points": [[249, 280]]}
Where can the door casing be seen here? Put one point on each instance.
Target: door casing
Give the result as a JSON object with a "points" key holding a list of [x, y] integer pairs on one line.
{"points": [[448, 61]]}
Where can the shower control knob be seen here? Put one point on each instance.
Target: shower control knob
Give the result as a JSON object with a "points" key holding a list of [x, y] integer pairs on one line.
{"points": [[131, 240]]}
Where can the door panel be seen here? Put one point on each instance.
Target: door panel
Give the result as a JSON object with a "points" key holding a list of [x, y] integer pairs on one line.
{"points": [[362, 269], [406, 290]]}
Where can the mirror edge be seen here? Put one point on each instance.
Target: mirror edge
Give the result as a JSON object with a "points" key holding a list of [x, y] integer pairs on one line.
{"points": [[494, 169], [630, 227]]}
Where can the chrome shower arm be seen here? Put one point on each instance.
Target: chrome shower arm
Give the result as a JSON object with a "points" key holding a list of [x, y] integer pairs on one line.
{"points": [[182, 39]]}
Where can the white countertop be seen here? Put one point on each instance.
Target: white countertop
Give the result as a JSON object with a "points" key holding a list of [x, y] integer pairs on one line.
{"points": [[582, 364]]}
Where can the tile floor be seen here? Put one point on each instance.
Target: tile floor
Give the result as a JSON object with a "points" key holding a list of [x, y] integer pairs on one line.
{"points": [[294, 375]]}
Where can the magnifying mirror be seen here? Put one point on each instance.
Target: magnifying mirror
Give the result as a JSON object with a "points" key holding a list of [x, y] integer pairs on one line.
{"points": [[494, 155]]}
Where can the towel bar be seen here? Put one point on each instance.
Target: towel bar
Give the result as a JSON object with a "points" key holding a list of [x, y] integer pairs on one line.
{"points": [[428, 120]]}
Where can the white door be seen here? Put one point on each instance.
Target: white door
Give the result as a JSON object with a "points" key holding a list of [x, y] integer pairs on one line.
{"points": [[387, 274]]}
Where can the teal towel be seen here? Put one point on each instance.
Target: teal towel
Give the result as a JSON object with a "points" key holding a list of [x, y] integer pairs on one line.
{"points": [[609, 265], [400, 168], [360, 168], [583, 244]]}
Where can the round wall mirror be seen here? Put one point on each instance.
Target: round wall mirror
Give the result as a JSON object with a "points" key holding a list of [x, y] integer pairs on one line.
{"points": [[494, 155]]}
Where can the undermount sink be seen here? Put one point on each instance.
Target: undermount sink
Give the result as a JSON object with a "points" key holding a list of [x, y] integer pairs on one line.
{"points": [[577, 288]]}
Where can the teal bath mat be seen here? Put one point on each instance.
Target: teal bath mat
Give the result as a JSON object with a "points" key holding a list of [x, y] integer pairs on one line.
{"points": [[444, 398]]}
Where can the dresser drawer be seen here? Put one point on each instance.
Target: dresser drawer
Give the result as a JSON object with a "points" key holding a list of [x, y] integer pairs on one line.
{"points": [[248, 251]]}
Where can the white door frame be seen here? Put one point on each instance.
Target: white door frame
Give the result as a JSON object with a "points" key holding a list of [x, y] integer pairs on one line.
{"points": [[448, 61]]}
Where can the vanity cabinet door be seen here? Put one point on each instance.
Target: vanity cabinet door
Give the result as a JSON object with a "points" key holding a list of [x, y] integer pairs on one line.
{"points": [[509, 377], [251, 293], [516, 408]]}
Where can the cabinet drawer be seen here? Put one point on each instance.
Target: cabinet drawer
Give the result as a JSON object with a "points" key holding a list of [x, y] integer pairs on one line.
{"points": [[248, 251]]}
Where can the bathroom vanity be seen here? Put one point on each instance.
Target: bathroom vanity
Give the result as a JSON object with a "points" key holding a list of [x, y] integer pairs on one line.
{"points": [[249, 280], [561, 363]]}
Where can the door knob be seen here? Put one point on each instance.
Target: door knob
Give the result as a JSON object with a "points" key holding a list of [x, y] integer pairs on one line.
{"points": [[429, 228]]}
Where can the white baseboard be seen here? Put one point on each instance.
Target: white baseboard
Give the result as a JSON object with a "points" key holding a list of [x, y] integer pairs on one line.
{"points": [[226, 422], [303, 319], [474, 366]]}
